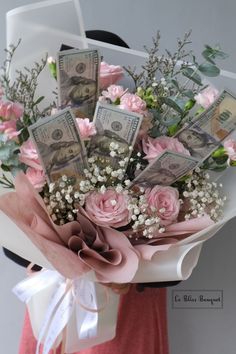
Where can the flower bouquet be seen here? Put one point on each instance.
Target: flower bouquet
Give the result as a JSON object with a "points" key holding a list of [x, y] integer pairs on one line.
{"points": [[111, 184]]}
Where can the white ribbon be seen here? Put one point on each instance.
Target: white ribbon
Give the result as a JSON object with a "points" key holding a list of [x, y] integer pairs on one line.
{"points": [[77, 295]]}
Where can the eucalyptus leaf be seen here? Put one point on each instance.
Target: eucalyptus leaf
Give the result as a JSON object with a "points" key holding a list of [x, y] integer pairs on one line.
{"points": [[155, 132], [175, 83], [191, 74], [3, 138], [207, 54], [209, 69], [219, 54], [12, 161], [188, 93], [5, 153], [156, 114], [170, 121], [172, 104]]}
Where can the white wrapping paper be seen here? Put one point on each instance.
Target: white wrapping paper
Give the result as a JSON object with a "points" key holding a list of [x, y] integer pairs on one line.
{"points": [[43, 27]]}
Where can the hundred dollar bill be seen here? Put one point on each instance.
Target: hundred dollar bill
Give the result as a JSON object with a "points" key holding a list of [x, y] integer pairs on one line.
{"points": [[115, 127], [77, 73], [166, 169], [60, 148], [203, 136]]}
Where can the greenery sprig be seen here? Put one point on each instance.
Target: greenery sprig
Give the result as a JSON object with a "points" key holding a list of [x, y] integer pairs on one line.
{"points": [[169, 82]]}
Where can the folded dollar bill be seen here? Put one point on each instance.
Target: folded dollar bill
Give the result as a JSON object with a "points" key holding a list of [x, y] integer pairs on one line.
{"points": [[117, 131], [202, 137], [59, 146], [166, 169], [78, 73]]}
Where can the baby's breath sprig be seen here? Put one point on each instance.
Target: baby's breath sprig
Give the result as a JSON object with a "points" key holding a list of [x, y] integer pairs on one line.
{"points": [[201, 196], [61, 199]]}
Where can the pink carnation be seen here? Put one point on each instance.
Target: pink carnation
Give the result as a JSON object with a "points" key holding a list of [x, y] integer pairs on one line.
{"points": [[108, 209], [133, 103], [153, 147], [110, 74], [165, 202], [113, 93], [29, 156], [86, 128], [230, 147], [206, 97], [10, 110], [36, 177], [9, 128]]}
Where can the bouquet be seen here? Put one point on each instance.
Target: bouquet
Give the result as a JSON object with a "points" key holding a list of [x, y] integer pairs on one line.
{"points": [[113, 184]]}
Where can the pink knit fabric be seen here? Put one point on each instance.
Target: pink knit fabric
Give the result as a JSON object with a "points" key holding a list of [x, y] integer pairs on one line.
{"points": [[141, 328]]}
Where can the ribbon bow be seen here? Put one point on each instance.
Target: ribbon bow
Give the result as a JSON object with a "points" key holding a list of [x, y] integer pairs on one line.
{"points": [[77, 295]]}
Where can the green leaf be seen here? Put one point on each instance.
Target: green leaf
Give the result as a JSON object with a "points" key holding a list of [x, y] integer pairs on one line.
{"points": [[5, 168], [233, 163], [5, 153], [214, 53], [24, 135], [3, 138], [172, 104], [169, 121], [221, 160], [173, 129], [192, 75], [156, 115], [188, 93], [26, 120], [219, 152], [189, 105], [200, 111], [207, 54], [40, 99], [219, 54], [155, 132], [175, 83], [209, 69]]}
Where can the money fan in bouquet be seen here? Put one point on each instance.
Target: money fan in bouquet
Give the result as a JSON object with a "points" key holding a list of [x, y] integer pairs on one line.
{"points": [[112, 185]]}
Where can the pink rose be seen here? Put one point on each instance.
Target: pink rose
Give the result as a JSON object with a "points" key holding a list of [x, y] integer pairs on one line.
{"points": [[36, 177], [230, 147], [133, 103], [108, 209], [9, 128], [206, 97], [110, 74], [165, 200], [86, 128], [153, 147], [113, 93], [10, 110], [29, 156]]}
